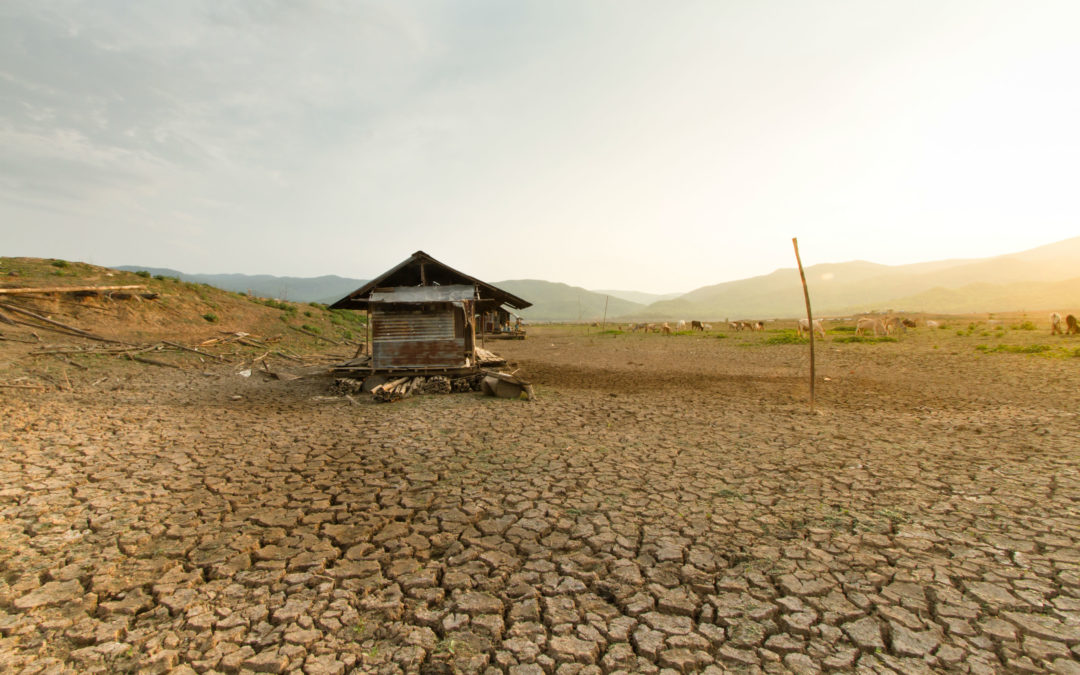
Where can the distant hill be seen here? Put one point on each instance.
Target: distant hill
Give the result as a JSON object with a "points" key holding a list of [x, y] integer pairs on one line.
{"points": [[640, 297], [1035, 279], [1041, 278], [561, 302], [325, 289]]}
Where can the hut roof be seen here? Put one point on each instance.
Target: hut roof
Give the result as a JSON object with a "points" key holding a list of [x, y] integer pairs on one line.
{"points": [[421, 270]]}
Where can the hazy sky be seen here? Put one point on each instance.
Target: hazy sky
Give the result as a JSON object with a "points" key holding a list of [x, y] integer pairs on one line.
{"points": [[654, 146]]}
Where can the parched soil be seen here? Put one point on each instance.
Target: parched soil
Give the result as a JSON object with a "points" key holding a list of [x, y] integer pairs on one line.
{"points": [[666, 504]]}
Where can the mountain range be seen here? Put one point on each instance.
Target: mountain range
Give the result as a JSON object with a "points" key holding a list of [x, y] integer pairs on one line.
{"points": [[1043, 278]]}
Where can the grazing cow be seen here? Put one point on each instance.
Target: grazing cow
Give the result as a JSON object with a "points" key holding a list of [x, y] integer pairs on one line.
{"points": [[1073, 327], [867, 324], [650, 328], [804, 327], [932, 324], [1055, 324], [894, 324], [734, 325], [665, 329], [696, 325], [681, 325], [910, 323], [758, 325]]}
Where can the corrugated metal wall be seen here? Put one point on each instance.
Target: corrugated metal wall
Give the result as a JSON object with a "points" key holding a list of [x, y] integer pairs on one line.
{"points": [[427, 339]]}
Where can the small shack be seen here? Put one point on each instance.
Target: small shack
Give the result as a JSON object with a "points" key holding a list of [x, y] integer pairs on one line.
{"points": [[423, 318]]}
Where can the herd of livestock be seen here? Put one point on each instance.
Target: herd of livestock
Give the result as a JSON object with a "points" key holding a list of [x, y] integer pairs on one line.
{"points": [[863, 325]]}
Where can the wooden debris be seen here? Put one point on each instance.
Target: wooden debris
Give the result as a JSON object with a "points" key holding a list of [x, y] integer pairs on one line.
{"points": [[394, 390], [57, 324], [71, 289], [193, 350], [22, 386]]}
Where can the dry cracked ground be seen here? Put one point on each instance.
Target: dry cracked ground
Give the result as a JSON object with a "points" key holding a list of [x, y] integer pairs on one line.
{"points": [[665, 505]]}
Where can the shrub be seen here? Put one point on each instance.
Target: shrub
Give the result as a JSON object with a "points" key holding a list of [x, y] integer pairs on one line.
{"points": [[143, 273], [210, 317], [1023, 325], [312, 329], [60, 263]]}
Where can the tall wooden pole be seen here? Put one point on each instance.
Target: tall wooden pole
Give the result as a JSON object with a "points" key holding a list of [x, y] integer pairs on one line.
{"points": [[604, 326], [809, 317]]}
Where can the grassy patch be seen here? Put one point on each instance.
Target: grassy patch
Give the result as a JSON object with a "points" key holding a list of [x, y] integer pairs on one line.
{"points": [[787, 337], [210, 317], [311, 329], [843, 329], [1023, 325], [1014, 349], [866, 338]]}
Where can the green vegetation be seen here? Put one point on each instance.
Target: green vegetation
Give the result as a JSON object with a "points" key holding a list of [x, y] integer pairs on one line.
{"points": [[163, 277], [1014, 349], [1024, 325], [786, 337], [59, 263], [843, 329], [311, 329], [143, 273], [871, 339], [210, 317]]}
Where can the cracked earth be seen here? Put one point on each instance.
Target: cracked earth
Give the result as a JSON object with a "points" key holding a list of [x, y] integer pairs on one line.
{"points": [[665, 505]]}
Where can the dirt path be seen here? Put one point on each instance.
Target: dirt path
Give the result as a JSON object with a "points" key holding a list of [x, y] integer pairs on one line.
{"points": [[665, 503]]}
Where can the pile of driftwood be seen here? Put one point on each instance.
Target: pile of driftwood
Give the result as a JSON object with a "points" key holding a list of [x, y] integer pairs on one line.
{"points": [[388, 390]]}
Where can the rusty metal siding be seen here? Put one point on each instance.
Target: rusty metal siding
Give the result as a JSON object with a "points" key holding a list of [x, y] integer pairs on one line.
{"points": [[417, 339]]}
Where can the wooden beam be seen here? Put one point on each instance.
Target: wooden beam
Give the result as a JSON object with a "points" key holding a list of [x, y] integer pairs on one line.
{"points": [[69, 289]]}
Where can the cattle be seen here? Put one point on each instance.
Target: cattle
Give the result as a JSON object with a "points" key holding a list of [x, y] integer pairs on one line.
{"points": [[665, 329], [681, 325], [1055, 324], [803, 326], [910, 323], [758, 325], [867, 324], [894, 324], [932, 324], [650, 328], [1073, 327], [696, 325]]}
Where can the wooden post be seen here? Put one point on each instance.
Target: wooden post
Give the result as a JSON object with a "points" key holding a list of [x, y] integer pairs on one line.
{"points": [[603, 327], [809, 317]]}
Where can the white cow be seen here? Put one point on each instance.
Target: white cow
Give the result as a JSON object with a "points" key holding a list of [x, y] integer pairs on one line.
{"points": [[1055, 324], [803, 327], [681, 325], [867, 324]]}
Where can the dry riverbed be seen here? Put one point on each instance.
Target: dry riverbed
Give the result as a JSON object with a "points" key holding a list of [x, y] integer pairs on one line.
{"points": [[666, 504]]}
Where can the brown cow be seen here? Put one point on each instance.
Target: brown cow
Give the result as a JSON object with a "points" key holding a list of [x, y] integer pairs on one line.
{"points": [[1073, 327], [696, 325]]}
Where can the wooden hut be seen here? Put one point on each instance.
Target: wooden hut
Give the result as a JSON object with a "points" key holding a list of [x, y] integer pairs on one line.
{"points": [[423, 316]]}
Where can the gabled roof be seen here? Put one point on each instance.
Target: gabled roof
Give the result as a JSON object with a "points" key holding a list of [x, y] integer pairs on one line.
{"points": [[420, 269]]}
